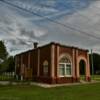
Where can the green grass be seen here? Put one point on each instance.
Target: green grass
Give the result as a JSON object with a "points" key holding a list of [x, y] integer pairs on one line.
{"points": [[6, 78], [81, 92], [95, 77], [26, 92]]}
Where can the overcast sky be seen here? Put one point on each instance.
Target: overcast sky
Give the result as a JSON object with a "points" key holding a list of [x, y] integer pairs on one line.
{"points": [[77, 23]]}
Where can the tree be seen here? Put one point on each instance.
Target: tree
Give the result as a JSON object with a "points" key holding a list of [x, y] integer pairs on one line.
{"points": [[4, 66], [8, 65], [96, 63], [11, 64], [3, 51]]}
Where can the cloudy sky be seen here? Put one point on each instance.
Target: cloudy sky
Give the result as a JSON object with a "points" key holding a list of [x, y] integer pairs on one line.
{"points": [[70, 22]]}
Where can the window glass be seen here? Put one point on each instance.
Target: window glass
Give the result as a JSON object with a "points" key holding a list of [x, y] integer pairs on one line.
{"points": [[64, 60], [68, 69], [45, 70], [45, 67], [65, 67], [61, 69]]}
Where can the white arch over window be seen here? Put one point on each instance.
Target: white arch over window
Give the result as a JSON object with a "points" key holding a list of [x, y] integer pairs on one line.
{"points": [[66, 55], [65, 65], [45, 63]]}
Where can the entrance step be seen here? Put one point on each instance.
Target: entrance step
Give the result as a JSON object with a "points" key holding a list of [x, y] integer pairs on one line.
{"points": [[83, 81]]}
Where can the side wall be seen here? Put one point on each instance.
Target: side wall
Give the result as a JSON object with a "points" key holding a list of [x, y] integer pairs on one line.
{"points": [[23, 66], [44, 55]]}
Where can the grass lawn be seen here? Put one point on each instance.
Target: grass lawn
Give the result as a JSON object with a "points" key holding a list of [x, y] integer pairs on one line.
{"points": [[95, 77], [6, 78], [81, 92]]}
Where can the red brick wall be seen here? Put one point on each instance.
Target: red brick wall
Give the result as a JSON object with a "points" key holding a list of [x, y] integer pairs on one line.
{"points": [[35, 62], [62, 50], [25, 59], [65, 50], [65, 80], [18, 63], [55, 60], [45, 54], [82, 53], [31, 59]]}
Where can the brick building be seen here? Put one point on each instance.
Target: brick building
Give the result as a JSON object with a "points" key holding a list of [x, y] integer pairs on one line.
{"points": [[53, 63]]}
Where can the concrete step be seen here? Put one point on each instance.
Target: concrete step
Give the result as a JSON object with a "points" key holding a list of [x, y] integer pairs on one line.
{"points": [[83, 81]]}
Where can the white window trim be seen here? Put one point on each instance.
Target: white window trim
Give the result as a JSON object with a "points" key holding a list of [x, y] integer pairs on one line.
{"points": [[65, 70]]}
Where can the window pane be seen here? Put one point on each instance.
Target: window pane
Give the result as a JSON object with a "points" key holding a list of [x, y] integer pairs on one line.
{"points": [[45, 70], [45, 67], [61, 70], [64, 60], [68, 69]]}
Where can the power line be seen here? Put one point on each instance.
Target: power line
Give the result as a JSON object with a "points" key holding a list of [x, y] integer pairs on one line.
{"points": [[51, 20], [75, 9], [46, 5]]}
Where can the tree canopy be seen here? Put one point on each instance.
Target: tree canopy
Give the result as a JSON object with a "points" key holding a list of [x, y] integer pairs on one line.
{"points": [[3, 51], [6, 62], [96, 63]]}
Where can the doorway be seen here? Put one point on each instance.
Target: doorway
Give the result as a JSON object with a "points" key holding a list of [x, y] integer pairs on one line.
{"points": [[82, 69]]}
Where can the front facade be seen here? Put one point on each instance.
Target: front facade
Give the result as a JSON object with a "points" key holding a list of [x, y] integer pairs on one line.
{"points": [[53, 63]]}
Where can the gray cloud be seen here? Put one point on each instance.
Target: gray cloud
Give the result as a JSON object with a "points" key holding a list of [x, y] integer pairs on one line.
{"points": [[19, 29]]}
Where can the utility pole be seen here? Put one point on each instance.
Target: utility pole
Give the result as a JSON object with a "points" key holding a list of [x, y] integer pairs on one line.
{"points": [[92, 62]]}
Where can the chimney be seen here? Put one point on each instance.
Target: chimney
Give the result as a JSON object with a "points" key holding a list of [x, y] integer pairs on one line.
{"points": [[35, 45]]}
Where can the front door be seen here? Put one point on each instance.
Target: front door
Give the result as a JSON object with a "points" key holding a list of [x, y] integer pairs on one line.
{"points": [[82, 69]]}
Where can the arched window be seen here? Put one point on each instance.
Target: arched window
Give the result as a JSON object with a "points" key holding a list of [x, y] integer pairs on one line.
{"points": [[65, 67], [45, 67]]}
